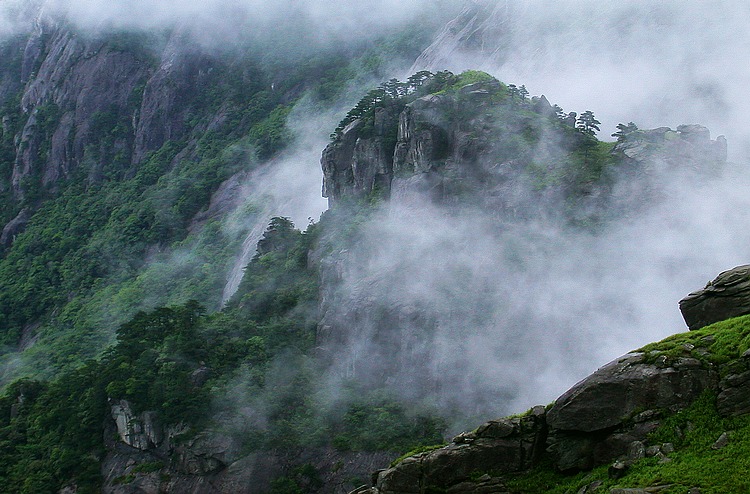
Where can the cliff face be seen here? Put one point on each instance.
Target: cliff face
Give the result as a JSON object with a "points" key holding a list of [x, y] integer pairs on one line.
{"points": [[94, 106], [453, 146]]}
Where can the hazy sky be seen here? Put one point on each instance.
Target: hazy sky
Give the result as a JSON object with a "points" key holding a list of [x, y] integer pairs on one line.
{"points": [[227, 21], [655, 63]]}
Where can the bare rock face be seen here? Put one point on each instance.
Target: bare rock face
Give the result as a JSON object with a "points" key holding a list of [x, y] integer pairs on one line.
{"points": [[361, 160], [141, 431], [77, 81], [622, 387], [727, 296], [501, 446], [14, 227], [606, 417], [600, 417], [690, 146]]}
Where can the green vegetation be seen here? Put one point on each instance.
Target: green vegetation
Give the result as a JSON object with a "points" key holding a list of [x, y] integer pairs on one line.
{"points": [[693, 431], [554, 149], [715, 344], [416, 451], [55, 427], [693, 464], [106, 274]]}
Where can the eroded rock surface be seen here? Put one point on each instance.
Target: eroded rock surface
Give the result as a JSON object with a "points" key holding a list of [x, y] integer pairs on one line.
{"points": [[727, 296], [501, 446]]}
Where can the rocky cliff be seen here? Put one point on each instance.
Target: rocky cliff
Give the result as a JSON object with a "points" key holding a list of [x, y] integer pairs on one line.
{"points": [[91, 107], [728, 295]]}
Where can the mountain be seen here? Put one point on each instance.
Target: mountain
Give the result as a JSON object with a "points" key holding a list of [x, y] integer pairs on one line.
{"points": [[168, 328]]}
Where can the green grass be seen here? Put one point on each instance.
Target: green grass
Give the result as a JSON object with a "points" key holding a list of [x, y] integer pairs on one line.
{"points": [[716, 344], [416, 451], [693, 464]]}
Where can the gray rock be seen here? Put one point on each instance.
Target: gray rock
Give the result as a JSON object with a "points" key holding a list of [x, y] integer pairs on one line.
{"points": [[728, 295], [694, 133], [200, 376], [721, 442], [636, 451], [617, 470], [14, 227], [652, 450], [508, 445], [615, 391], [734, 397], [141, 431], [595, 421], [592, 487]]}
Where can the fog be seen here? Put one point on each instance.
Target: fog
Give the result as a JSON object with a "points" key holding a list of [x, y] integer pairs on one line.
{"points": [[288, 185], [664, 63], [283, 26], [520, 311], [517, 312]]}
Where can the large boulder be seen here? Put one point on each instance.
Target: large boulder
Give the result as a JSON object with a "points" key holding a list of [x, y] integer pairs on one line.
{"points": [[725, 297], [598, 419], [629, 384]]}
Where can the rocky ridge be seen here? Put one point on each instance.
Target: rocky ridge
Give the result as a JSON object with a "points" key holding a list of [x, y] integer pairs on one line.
{"points": [[151, 457], [94, 106], [458, 148]]}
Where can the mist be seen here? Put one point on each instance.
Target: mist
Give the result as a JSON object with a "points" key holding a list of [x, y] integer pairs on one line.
{"points": [[656, 64], [288, 186], [497, 316], [283, 27], [520, 311]]}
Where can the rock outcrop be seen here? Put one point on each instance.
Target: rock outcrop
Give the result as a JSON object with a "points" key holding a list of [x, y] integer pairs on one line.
{"points": [[728, 295], [145, 456], [599, 418], [500, 446], [605, 417], [688, 147], [459, 149], [141, 431]]}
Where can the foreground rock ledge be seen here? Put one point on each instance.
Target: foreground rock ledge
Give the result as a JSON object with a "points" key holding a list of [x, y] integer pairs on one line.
{"points": [[727, 296]]}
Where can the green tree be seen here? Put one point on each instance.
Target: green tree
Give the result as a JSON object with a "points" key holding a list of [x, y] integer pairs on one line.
{"points": [[623, 130], [587, 123]]}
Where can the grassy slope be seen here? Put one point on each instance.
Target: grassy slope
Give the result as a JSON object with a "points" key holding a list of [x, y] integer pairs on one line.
{"points": [[694, 463]]}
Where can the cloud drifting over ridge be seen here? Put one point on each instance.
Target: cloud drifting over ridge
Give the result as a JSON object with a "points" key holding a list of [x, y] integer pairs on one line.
{"points": [[494, 318], [232, 20], [657, 64]]}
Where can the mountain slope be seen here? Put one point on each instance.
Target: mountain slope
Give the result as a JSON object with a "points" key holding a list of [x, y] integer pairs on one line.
{"points": [[395, 318]]}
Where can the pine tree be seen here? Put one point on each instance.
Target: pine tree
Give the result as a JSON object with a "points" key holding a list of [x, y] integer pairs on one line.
{"points": [[587, 123]]}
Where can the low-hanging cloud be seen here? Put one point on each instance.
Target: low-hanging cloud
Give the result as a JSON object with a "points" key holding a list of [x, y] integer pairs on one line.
{"points": [[309, 22], [520, 311], [656, 64], [493, 317], [288, 185]]}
